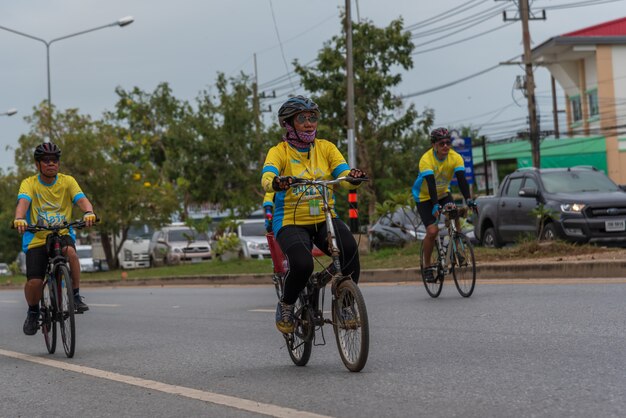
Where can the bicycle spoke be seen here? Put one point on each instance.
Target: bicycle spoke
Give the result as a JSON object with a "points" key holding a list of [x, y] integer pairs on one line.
{"points": [[66, 310], [48, 309], [463, 265], [433, 288], [300, 342], [351, 325]]}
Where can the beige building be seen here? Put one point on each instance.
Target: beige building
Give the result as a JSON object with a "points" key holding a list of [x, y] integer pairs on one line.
{"points": [[590, 66]]}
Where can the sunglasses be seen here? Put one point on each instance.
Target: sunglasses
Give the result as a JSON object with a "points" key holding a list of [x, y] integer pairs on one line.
{"points": [[444, 143], [50, 160], [302, 118]]}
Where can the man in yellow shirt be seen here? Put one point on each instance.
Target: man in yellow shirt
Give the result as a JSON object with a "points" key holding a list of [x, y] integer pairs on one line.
{"points": [[431, 189], [48, 197]]}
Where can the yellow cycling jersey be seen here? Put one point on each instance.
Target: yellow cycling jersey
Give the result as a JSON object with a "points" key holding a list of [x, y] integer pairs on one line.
{"points": [[443, 170], [301, 205], [51, 203]]}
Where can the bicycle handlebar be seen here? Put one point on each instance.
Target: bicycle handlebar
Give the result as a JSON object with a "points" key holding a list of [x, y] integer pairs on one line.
{"points": [[79, 224], [296, 181]]}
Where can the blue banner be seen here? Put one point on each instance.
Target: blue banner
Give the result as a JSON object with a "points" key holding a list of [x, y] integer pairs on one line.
{"points": [[464, 147]]}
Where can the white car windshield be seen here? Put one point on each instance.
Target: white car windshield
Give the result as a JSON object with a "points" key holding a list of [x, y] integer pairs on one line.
{"points": [[184, 235], [84, 253], [253, 229]]}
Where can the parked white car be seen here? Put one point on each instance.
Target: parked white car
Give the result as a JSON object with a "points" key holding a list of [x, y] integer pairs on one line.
{"points": [[85, 257], [4, 269], [175, 243], [252, 232]]}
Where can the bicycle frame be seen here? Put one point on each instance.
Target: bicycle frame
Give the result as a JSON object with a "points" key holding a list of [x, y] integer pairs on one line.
{"points": [[349, 314], [60, 306], [445, 251]]}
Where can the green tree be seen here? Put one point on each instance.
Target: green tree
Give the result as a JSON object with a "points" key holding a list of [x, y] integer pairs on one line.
{"points": [[121, 192], [9, 239], [229, 156], [390, 137]]}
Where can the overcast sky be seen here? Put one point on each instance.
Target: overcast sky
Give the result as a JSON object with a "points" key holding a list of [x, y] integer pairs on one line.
{"points": [[187, 42]]}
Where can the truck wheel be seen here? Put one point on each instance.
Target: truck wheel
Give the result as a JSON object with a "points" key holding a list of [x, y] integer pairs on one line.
{"points": [[549, 232], [490, 239]]}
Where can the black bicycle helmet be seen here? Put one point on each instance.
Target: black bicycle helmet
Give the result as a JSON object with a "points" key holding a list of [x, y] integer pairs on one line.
{"points": [[438, 134], [47, 148], [295, 105]]}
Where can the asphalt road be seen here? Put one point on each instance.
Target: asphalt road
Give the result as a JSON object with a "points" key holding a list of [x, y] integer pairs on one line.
{"points": [[544, 349]]}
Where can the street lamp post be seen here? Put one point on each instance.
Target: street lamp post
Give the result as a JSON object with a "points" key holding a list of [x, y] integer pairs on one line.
{"points": [[125, 21], [9, 112]]}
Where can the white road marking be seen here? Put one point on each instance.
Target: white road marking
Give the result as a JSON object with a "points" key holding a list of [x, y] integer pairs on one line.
{"points": [[211, 397], [105, 305], [9, 301]]}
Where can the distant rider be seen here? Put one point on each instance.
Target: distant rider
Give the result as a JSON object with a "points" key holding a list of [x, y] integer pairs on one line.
{"points": [[431, 189]]}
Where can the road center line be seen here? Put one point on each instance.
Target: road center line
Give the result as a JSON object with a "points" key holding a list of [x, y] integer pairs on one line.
{"points": [[214, 398]]}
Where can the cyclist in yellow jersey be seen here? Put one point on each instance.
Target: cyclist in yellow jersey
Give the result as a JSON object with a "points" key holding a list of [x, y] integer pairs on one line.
{"points": [[431, 189], [298, 221], [48, 197]]}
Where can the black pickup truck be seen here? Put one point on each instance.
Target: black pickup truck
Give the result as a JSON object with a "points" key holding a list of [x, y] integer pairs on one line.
{"points": [[581, 204]]}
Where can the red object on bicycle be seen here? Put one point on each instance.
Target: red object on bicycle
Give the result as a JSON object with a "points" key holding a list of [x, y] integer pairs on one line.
{"points": [[278, 258]]}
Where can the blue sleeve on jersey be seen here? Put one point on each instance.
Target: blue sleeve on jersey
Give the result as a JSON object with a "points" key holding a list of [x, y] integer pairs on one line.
{"points": [[340, 169], [270, 169], [78, 197], [416, 188], [459, 169], [24, 196], [279, 212]]}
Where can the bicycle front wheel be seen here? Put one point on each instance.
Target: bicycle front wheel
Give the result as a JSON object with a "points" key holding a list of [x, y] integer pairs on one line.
{"points": [[463, 265], [65, 314], [432, 287], [300, 342], [351, 325], [48, 309]]}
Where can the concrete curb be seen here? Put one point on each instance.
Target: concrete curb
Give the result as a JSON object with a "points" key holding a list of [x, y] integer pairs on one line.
{"points": [[545, 270]]}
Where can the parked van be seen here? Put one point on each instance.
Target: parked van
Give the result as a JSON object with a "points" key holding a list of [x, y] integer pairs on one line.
{"points": [[85, 257], [177, 243], [134, 252]]}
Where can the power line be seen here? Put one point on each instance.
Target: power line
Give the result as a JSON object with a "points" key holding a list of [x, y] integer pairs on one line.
{"points": [[282, 50], [442, 16], [459, 41], [452, 83]]}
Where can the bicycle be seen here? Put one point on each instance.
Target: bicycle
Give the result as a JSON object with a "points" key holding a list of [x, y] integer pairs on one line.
{"points": [[57, 299], [348, 312], [453, 253]]}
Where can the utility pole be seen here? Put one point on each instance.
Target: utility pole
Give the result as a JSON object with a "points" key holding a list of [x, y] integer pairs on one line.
{"points": [[350, 87], [255, 104], [484, 148], [524, 16], [352, 195]]}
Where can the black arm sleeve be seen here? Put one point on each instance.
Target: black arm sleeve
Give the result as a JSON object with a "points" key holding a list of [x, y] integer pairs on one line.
{"points": [[432, 188], [463, 185]]}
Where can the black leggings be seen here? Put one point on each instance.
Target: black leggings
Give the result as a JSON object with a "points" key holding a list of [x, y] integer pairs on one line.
{"points": [[297, 241]]}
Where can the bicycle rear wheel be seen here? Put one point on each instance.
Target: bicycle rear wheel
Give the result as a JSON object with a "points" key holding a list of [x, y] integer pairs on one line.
{"points": [[65, 314], [433, 288], [351, 325], [463, 265], [48, 308], [300, 342]]}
